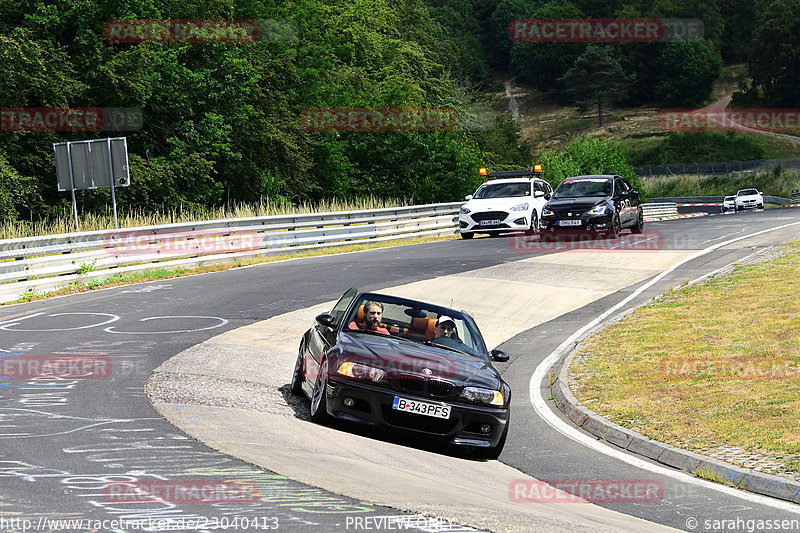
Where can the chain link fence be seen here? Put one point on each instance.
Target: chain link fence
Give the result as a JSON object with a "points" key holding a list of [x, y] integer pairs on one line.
{"points": [[725, 168]]}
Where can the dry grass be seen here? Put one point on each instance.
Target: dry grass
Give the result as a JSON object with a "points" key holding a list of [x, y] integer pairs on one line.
{"points": [[717, 362]]}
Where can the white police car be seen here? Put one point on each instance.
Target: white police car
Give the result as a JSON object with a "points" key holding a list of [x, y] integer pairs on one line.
{"points": [[512, 202]]}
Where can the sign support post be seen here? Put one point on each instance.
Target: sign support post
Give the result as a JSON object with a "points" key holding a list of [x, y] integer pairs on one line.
{"points": [[113, 193], [72, 188]]}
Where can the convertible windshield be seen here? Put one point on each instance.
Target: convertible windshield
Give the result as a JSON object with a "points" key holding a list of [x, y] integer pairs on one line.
{"points": [[416, 322], [503, 190], [571, 188]]}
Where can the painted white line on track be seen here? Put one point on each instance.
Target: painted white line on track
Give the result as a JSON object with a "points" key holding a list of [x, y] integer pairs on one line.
{"points": [[540, 405]]}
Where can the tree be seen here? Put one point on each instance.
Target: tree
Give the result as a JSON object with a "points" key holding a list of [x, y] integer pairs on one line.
{"points": [[774, 58], [595, 77], [542, 63], [687, 75]]}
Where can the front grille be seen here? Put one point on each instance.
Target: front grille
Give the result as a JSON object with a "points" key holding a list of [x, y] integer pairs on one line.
{"points": [[568, 214], [489, 215], [439, 388], [411, 384], [431, 388]]}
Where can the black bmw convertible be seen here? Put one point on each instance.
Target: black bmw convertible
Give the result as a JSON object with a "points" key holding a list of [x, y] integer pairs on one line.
{"points": [[405, 365]]}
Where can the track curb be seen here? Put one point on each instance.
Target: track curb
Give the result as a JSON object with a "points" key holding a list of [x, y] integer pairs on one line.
{"points": [[693, 463]]}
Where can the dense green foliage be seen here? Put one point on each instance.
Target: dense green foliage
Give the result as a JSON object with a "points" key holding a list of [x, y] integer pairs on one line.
{"points": [[221, 122], [586, 155], [700, 147]]}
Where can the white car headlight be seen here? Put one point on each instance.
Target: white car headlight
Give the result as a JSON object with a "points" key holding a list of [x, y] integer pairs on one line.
{"points": [[520, 207], [485, 396], [598, 210], [465, 211]]}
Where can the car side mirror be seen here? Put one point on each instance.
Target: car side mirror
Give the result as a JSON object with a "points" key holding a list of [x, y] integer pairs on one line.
{"points": [[326, 319], [468, 197], [548, 196], [499, 356]]}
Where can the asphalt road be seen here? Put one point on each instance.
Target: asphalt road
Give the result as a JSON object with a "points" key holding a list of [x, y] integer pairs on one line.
{"points": [[65, 441]]}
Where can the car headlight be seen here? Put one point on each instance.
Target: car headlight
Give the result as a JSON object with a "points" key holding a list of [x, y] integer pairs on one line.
{"points": [[485, 396], [465, 211], [547, 212], [598, 210], [359, 371], [520, 207]]}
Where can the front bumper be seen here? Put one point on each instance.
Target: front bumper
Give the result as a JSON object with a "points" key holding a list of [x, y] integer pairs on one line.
{"points": [[490, 221], [587, 222], [749, 204], [372, 406]]}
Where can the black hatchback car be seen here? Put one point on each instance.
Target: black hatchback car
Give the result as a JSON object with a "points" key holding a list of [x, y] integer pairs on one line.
{"points": [[417, 368], [601, 203]]}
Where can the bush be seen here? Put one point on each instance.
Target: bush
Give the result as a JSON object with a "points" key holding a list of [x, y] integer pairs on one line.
{"points": [[700, 147], [589, 156]]}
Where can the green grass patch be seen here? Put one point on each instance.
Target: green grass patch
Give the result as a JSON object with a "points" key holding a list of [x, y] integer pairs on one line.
{"points": [[716, 362]]}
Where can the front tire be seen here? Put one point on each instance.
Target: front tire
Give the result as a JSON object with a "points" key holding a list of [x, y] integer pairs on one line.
{"points": [[534, 223], [639, 226], [319, 409], [613, 233], [296, 386]]}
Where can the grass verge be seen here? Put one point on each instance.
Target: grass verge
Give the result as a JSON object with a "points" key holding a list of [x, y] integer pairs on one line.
{"points": [[715, 363], [156, 273]]}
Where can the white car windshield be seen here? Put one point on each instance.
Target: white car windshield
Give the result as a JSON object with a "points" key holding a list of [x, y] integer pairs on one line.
{"points": [[503, 190], [747, 192]]}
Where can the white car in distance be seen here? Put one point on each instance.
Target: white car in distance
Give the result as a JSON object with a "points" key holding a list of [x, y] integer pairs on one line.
{"points": [[509, 203], [749, 199], [729, 203]]}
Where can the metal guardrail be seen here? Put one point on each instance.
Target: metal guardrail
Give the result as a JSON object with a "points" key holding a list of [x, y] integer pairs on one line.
{"points": [[51, 261], [664, 209], [718, 199]]}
